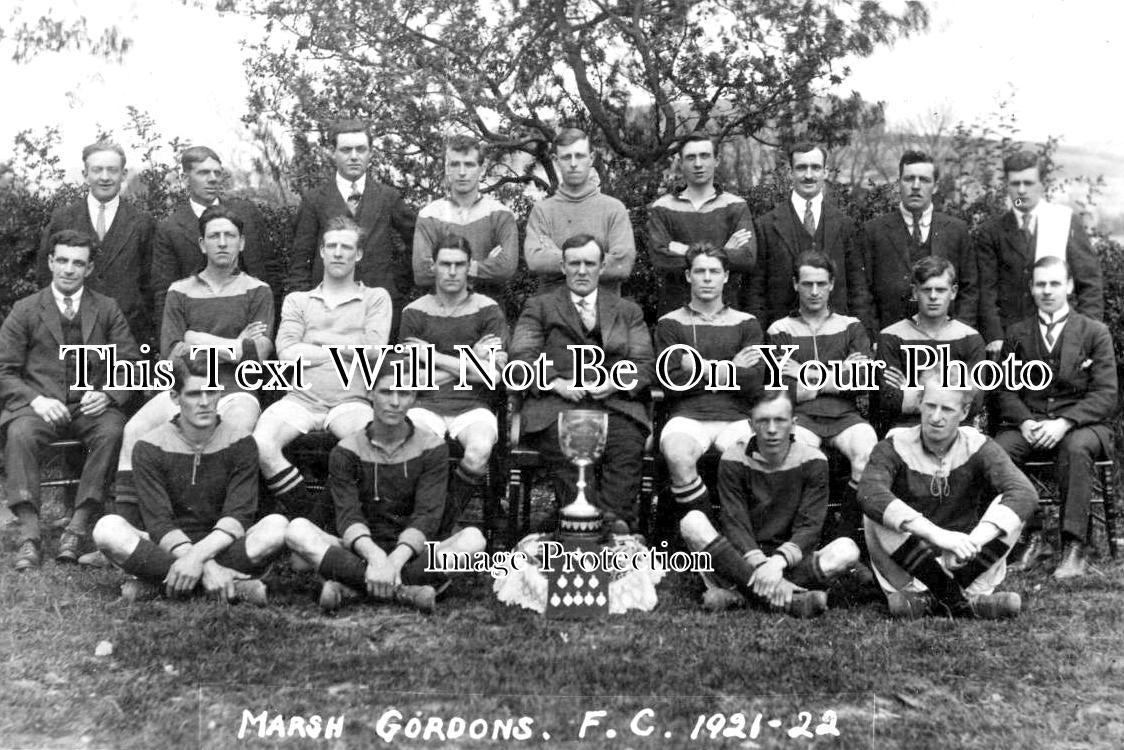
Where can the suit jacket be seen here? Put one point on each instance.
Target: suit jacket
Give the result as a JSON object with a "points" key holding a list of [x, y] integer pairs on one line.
{"points": [[1005, 263], [550, 324], [886, 247], [29, 349], [121, 266], [384, 263], [176, 253], [781, 237], [1084, 386]]}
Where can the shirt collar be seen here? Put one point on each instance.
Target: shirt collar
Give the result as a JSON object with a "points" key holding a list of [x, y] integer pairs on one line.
{"points": [[1043, 318], [926, 215], [76, 297], [705, 316], [799, 204], [318, 292], [344, 185], [1033, 212], [715, 191], [592, 297], [110, 205], [198, 208]]}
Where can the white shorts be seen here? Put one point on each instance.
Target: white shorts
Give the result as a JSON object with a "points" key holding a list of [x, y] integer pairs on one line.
{"points": [[721, 435], [341, 419], [474, 419]]}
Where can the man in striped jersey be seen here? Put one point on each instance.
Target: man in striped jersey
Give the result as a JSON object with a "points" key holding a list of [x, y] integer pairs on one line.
{"points": [[487, 224], [455, 315], [699, 212], [825, 409], [944, 504]]}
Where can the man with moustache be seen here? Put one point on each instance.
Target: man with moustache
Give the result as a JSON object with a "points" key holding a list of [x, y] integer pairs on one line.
{"points": [[486, 224], [584, 313], [892, 244], [578, 207], [1065, 422], [805, 222], [1009, 244], [124, 234], [175, 251], [699, 212], [387, 222]]}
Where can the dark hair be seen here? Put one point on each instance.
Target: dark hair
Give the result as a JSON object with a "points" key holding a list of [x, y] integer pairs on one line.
{"points": [[710, 250], [73, 238], [94, 148], [452, 242], [803, 147], [1047, 261], [813, 259], [196, 154], [568, 137], [1021, 160], [343, 224], [766, 395], [581, 240], [933, 375], [185, 366], [930, 267], [462, 144], [698, 137], [918, 157], [339, 127], [386, 368], [218, 212]]}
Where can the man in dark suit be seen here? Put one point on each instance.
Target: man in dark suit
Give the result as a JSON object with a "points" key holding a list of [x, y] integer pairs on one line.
{"points": [[892, 243], [1065, 421], [376, 208], [581, 314], [39, 403], [124, 235], [175, 251], [1009, 244], [805, 222]]}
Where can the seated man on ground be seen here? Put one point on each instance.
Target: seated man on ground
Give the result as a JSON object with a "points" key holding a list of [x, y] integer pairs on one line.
{"points": [[703, 417], [773, 495], [1066, 422], [340, 311], [39, 404], [219, 307], [944, 504], [197, 483], [388, 483], [934, 289], [454, 315], [826, 412], [581, 314]]}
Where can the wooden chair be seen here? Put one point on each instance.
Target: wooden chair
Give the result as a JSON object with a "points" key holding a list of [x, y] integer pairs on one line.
{"points": [[1042, 476]]}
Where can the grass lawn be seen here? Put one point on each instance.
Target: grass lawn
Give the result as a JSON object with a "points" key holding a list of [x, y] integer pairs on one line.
{"points": [[186, 675]]}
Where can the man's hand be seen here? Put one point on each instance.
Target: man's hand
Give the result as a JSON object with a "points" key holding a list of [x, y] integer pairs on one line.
{"points": [[894, 378], [748, 357], [422, 348], [1051, 432], [93, 403], [961, 546], [994, 348], [1031, 430], [791, 369], [381, 577], [51, 410], [602, 392], [184, 575], [254, 330], [218, 580], [486, 345], [768, 582], [565, 388], [738, 238]]}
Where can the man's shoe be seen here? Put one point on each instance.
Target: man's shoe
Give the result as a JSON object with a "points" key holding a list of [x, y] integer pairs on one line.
{"points": [[909, 605], [421, 598], [95, 559], [997, 606], [720, 600], [1034, 552], [136, 590], [29, 555], [807, 604], [251, 591], [1073, 563], [70, 547], [334, 594]]}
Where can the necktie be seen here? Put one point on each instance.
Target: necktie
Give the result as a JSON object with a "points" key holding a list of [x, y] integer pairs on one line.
{"points": [[68, 308], [354, 199], [588, 314], [809, 219], [1050, 326], [1026, 230], [100, 228], [916, 230]]}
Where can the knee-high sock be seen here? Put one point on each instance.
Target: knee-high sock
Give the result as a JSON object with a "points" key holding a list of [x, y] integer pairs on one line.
{"points": [[346, 567], [289, 491], [691, 496], [731, 565], [462, 487], [919, 560], [991, 553], [149, 561]]}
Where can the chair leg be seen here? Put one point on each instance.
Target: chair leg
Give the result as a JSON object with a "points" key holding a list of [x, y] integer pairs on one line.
{"points": [[514, 503], [1108, 485]]}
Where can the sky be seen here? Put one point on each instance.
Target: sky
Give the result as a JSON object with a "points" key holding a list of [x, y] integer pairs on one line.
{"points": [[1057, 60]]}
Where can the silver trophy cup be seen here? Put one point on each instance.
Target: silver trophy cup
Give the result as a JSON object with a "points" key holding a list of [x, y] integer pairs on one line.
{"points": [[581, 436]]}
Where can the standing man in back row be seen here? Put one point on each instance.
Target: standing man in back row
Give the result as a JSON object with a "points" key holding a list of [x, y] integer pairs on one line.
{"points": [[385, 219], [578, 207]]}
